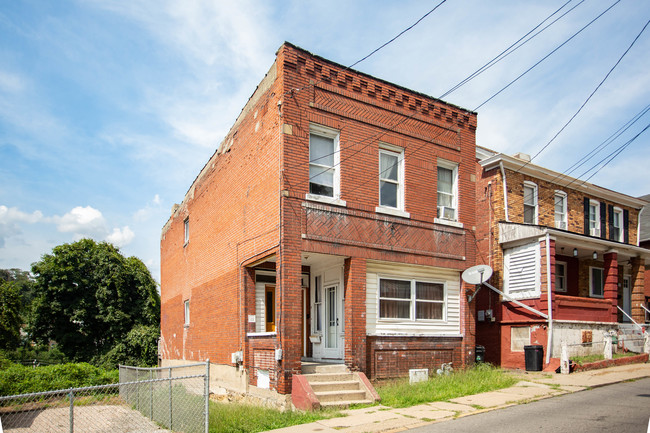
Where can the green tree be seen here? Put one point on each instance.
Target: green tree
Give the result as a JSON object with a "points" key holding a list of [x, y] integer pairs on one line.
{"points": [[24, 282], [10, 318], [88, 297]]}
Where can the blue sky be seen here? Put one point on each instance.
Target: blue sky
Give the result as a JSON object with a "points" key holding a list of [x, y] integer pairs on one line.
{"points": [[109, 108]]}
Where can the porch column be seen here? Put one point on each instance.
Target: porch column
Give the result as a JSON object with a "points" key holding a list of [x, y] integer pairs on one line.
{"points": [[288, 316], [611, 282], [355, 313], [638, 286]]}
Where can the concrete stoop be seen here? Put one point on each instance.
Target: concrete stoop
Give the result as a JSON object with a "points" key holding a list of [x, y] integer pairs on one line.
{"points": [[330, 385]]}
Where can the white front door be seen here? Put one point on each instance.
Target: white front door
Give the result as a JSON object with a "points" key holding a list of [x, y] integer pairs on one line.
{"points": [[333, 329], [627, 297]]}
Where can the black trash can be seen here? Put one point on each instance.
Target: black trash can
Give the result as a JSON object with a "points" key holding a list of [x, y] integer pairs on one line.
{"points": [[534, 357], [480, 354]]}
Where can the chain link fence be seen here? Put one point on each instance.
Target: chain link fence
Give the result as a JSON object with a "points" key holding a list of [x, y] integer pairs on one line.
{"points": [[170, 399]]}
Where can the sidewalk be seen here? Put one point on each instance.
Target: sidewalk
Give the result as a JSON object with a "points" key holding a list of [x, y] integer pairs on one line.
{"points": [[533, 386]]}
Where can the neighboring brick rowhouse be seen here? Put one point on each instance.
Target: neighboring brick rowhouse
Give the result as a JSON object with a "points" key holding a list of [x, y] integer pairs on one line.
{"points": [[247, 209]]}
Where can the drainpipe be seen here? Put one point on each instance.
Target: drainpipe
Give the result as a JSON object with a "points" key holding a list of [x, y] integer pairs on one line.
{"points": [[505, 190], [549, 343]]}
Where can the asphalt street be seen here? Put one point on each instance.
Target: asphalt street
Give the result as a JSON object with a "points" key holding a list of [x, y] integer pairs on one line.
{"points": [[621, 408]]}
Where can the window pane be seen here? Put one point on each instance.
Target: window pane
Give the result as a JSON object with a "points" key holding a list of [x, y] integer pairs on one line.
{"points": [[445, 180], [559, 204], [529, 195], [429, 291], [388, 165], [529, 214], [321, 181], [388, 194], [321, 150], [428, 310], [395, 289], [597, 281], [445, 200], [389, 309]]}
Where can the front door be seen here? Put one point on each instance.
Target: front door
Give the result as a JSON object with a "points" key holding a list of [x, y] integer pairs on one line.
{"points": [[627, 297], [333, 332]]}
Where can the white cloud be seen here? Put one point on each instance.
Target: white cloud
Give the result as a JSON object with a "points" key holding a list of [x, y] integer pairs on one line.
{"points": [[82, 221], [11, 215], [151, 208], [156, 199], [121, 237]]}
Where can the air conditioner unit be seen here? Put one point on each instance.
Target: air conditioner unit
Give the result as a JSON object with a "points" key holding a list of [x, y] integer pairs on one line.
{"points": [[594, 231], [560, 225]]}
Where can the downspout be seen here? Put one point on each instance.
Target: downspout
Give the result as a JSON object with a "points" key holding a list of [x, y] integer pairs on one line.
{"points": [[549, 343], [505, 191]]}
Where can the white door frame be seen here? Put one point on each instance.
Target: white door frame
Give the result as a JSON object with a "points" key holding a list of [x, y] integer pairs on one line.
{"points": [[326, 345], [627, 297]]}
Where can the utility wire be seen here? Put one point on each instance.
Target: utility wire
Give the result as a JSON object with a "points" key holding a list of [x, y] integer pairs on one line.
{"points": [[590, 96], [547, 56], [503, 54]]}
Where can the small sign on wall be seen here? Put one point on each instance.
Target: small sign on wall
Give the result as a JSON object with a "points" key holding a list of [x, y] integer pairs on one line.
{"points": [[251, 318]]}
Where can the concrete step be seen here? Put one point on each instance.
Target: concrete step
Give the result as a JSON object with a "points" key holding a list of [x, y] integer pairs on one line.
{"points": [[344, 404], [342, 385], [329, 377], [313, 368], [337, 396]]}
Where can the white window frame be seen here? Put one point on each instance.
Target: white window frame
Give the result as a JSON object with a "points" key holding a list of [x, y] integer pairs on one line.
{"points": [[591, 282], [594, 224], [397, 152], [562, 288], [618, 212], [561, 218], [453, 167], [535, 204], [323, 131], [186, 229], [412, 300], [513, 267], [186, 306], [518, 344]]}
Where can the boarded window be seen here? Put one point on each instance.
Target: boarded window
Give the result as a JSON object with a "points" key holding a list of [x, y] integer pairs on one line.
{"points": [[522, 271]]}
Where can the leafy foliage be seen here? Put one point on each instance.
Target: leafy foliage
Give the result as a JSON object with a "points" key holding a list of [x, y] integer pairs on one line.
{"points": [[88, 297], [10, 318], [19, 379], [139, 348]]}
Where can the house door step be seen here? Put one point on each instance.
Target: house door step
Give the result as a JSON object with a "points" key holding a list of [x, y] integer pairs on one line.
{"points": [[334, 385]]}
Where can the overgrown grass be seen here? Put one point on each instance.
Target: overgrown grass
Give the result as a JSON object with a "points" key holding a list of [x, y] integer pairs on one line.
{"points": [[600, 357], [481, 378], [243, 418], [19, 379]]}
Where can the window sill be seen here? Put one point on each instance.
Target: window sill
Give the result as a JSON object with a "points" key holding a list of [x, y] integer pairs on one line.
{"points": [[261, 334], [597, 296], [392, 211], [450, 223], [324, 199]]}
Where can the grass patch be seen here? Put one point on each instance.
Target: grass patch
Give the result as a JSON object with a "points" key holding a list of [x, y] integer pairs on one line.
{"points": [[600, 357], [481, 378], [244, 418]]}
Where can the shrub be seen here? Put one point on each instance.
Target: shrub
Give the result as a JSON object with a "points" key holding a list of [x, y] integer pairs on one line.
{"points": [[19, 379]]}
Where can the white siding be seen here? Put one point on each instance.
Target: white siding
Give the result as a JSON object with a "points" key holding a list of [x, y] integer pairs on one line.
{"points": [[521, 276], [451, 278]]}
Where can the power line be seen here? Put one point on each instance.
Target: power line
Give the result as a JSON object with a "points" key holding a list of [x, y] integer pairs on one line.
{"points": [[591, 95], [546, 56], [503, 54]]}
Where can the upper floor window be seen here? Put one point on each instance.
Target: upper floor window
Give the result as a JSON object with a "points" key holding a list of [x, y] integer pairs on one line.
{"points": [[323, 162], [186, 225], [617, 225], [530, 203], [594, 218], [391, 178], [447, 190], [560, 210], [411, 300]]}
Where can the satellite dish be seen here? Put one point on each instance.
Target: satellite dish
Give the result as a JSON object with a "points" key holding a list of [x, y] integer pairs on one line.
{"points": [[477, 274]]}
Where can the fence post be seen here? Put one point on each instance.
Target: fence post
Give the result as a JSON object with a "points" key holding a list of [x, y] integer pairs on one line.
{"points": [[151, 395], [207, 394], [71, 395], [608, 345], [646, 342], [170, 399], [564, 359]]}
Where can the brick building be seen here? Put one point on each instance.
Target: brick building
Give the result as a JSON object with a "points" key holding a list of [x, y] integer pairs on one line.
{"points": [[543, 232], [331, 224]]}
